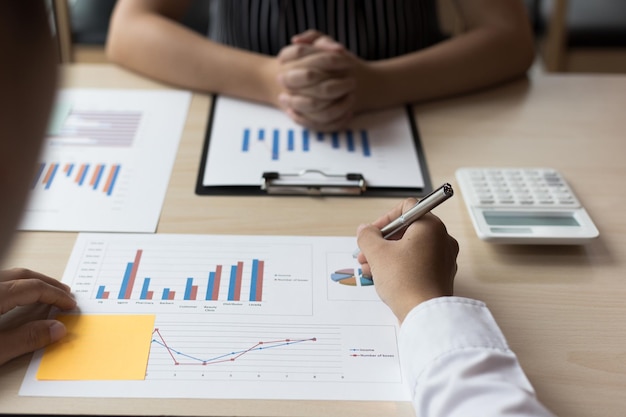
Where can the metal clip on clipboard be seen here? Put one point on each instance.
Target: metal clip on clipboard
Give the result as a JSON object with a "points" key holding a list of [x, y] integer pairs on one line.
{"points": [[313, 182]]}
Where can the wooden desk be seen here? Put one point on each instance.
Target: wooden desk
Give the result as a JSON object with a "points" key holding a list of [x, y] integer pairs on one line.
{"points": [[562, 309]]}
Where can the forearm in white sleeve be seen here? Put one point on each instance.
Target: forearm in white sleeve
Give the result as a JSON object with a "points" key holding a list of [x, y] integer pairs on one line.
{"points": [[458, 364]]}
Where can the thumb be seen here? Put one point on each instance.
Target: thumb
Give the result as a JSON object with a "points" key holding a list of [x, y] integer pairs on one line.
{"points": [[29, 337], [369, 239]]}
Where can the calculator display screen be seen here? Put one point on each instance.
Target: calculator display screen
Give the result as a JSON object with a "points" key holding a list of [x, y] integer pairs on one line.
{"points": [[525, 219]]}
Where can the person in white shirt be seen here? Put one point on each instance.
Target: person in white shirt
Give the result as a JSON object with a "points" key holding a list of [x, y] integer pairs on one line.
{"points": [[455, 358]]}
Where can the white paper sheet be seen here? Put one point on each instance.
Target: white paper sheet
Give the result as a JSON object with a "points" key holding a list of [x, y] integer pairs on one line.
{"points": [[304, 335], [106, 163], [248, 139]]}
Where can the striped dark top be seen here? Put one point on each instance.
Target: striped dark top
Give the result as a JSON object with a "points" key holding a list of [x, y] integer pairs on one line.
{"points": [[372, 29]]}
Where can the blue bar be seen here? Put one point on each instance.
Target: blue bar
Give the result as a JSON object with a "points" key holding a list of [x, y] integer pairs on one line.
{"points": [[39, 171], [261, 134], [246, 140], [320, 136], [335, 140], [100, 292], [82, 178], [275, 144], [188, 289], [54, 171], [144, 289], [166, 294], [233, 282], [305, 140], [350, 140], [129, 268], [365, 143], [69, 170], [290, 140], [209, 290], [254, 276], [117, 170], [95, 184]]}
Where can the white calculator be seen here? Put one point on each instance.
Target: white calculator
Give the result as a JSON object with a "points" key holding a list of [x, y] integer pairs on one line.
{"points": [[524, 205]]}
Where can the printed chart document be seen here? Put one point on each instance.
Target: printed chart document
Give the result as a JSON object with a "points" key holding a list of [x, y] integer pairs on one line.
{"points": [[220, 316], [106, 162], [381, 146]]}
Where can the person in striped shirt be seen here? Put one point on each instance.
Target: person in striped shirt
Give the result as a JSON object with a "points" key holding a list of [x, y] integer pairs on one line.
{"points": [[323, 61]]}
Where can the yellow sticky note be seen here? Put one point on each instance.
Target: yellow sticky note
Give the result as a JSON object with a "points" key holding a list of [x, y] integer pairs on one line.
{"points": [[99, 347]]}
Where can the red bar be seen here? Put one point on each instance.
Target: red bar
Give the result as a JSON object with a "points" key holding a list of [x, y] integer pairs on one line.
{"points": [[259, 281], [149, 295], [95, 174], [107, 186], [80, 173], [133, 274], [216, 284], [237, 294], [105, 295], [171, 295], [194, 292], [48, 174]]}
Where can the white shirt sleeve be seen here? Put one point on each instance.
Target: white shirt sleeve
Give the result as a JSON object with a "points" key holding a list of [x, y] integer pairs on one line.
{"points": [[457, 363]]}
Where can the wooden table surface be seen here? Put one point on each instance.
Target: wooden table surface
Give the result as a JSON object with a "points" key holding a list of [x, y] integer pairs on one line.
{"points": [[562, 308]]}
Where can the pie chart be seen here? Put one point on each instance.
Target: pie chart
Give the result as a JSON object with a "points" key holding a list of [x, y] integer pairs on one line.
{"points": [[347, 276]]}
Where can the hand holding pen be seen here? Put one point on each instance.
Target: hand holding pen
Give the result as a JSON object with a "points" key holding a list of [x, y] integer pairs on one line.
{"points": [[417, 260]]}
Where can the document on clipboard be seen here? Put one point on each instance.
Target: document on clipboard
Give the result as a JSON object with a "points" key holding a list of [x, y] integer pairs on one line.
{"points": [[256, 149]]}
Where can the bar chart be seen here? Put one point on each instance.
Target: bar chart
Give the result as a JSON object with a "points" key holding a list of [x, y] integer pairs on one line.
{"points": [[131, 286], [197, 273], [98, 177], [279, 142], [94, 127], [381, 146], [106, 160]]}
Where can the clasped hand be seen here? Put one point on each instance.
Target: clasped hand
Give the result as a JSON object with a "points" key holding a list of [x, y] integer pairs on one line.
{"points": [[320, 82]]}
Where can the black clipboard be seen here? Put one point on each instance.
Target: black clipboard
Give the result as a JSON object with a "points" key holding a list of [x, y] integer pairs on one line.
{"points": [[312, 182]]}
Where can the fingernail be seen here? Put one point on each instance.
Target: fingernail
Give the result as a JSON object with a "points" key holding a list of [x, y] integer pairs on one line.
{"points": [[57, 331]]}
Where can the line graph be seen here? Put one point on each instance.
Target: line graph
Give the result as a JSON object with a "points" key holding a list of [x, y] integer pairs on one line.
{"points": [[240, 352], [226, 357]]}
